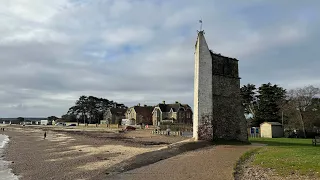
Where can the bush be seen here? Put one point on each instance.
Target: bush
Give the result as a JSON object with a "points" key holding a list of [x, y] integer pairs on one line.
{"points": [[312, 134]]}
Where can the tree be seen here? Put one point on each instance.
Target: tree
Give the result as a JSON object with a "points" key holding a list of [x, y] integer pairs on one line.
{"points": [[302, 99], [52, 118], [249, 100], [270, 98], [69, 118], [314, 110], [20, 119], [91, 109]]}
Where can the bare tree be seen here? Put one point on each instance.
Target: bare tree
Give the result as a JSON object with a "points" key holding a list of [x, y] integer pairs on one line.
{"points": [[302, 99]]}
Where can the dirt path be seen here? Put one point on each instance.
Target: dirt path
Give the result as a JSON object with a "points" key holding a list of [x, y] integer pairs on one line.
{"points": [[206, 164]]}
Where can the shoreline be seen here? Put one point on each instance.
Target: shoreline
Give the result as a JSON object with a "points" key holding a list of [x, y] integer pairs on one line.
{"points": [[75, 155], [5, 170]]}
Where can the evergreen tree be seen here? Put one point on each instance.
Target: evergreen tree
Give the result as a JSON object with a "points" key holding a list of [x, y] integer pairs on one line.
{"points": [[270, 97], [249, 98]]}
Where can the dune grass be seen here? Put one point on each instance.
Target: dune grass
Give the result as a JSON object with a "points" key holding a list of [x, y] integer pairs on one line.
{"points": [[288, 156]]}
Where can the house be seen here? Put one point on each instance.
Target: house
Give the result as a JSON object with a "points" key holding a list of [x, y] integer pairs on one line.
{"points": [[271, 130], [174, 113], [27, 120], [44, 122], [140, 114], [114, 115]]}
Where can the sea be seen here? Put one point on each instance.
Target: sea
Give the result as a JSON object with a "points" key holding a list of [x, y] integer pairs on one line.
{"points": [[5, 171]]}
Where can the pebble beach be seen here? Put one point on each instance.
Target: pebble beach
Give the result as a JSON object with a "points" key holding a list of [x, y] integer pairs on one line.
{"points": [[68, 155]]}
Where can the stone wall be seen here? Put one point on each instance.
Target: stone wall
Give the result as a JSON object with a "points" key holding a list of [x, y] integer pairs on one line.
{"points": [[218, 113], [228, 116]]}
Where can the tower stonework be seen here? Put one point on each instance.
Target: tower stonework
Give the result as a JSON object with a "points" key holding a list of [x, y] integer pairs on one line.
{"points": [[218, 113]]}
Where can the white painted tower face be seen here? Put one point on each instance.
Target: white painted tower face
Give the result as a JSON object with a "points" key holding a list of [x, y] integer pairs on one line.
{"points": [[203, 105]]}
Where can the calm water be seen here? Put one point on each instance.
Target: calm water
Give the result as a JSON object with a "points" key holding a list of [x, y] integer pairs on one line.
{"points": [[5, 172]]}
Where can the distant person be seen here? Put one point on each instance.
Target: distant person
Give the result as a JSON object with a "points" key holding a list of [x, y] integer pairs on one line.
{"points": [[45, 135], [168, 131]]}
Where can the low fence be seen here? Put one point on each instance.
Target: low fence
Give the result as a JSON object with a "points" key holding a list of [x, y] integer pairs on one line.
{"points": [[254, 136], [173, 133], [177, 127], [116, 126], [170, 133]]}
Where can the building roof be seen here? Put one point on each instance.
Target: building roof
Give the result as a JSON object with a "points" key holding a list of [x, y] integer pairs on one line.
{"points": [[119, 111], [144, 110], [175, 107], [274, 123], [26, 119]]}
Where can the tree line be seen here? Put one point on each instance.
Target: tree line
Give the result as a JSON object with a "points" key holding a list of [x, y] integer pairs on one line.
{"points": [[295, 108]]}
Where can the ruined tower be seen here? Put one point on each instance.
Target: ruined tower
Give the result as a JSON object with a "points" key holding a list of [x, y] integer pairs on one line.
{"points": [[218, 113]]}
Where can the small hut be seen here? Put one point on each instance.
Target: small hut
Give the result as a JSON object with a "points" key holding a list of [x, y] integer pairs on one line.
{"points": [[271, 130]]}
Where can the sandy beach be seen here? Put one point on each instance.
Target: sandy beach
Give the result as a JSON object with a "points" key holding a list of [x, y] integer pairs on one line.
{"points": [[77, 154]]}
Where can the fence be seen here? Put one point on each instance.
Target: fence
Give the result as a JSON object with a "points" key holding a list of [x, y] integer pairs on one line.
{"points": [[177, 127], [171, 133]]}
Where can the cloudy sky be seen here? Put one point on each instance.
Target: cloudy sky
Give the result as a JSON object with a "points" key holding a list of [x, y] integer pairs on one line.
{"points": [[141, 51]]}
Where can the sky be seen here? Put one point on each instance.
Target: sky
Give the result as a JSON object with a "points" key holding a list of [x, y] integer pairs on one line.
{"points": [[142, 51]]}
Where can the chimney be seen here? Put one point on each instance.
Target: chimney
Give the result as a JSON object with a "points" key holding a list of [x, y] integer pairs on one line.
{"points": [[163, 102], [138, 104]]}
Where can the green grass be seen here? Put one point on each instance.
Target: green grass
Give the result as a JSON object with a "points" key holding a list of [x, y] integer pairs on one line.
{"points": [[288, 156], [237, 168]]}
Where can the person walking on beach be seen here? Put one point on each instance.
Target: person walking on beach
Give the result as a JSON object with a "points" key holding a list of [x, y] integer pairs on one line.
{"points": [[45, 135]]}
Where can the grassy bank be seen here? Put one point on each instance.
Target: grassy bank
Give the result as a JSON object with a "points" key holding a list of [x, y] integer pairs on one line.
{"points": [[288, 156]]}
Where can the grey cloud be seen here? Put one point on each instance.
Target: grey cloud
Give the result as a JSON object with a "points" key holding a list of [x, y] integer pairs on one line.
{"points": [[80, 49]]}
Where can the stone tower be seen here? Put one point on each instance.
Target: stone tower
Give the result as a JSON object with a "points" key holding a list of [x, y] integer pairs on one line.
{"points": [[218, 113]]}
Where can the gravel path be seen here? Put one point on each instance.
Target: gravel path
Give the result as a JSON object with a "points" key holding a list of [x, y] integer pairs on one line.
{"points": [[252, 172], [212, 163]]}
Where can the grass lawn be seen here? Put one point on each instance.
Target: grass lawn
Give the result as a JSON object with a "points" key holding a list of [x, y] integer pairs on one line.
{"points": [[288, 155]]}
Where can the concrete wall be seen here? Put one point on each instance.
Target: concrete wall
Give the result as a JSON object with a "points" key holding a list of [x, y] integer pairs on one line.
{"points": [[202, 84]]}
